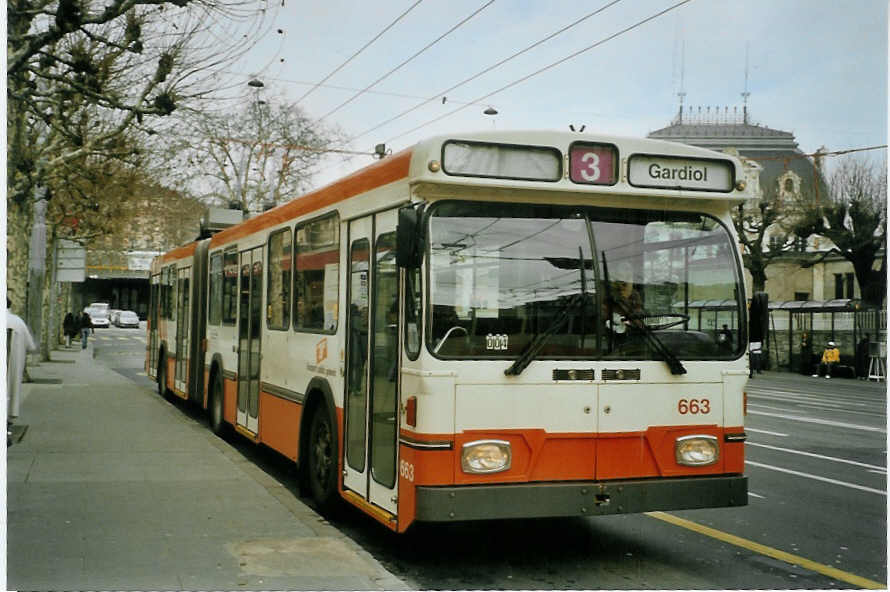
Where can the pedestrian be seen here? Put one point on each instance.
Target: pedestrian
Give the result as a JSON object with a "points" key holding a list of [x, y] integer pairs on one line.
{"points": [[806, 355], [69, 327], [862, 357], [86, 327], [830, 357], [756, 349], [19, 341]]}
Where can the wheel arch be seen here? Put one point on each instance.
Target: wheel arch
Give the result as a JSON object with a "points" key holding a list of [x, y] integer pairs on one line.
{"points": [[318, 394]]}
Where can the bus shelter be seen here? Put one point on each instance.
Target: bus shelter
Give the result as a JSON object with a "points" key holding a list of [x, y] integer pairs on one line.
{"points": [[801, 329]]}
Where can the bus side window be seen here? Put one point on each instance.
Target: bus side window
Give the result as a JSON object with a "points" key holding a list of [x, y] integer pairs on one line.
{"points": [[214, 303], [279, 280]]}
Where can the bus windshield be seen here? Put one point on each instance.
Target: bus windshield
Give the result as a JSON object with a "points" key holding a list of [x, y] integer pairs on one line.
{"points": [[584, 282]]}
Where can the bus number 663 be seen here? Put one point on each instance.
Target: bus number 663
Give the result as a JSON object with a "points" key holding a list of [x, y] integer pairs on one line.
{"points": [[694, 406]]}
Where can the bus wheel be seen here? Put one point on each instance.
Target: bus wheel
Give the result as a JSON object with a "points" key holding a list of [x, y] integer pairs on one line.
{"points": [[322, 461], [217, 422]]}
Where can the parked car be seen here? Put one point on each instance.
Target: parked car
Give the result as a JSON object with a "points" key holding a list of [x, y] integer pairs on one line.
{"points": [[126, 318], [112, 316], [98, 312]]}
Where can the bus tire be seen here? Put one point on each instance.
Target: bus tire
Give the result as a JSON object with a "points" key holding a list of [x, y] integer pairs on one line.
{"points": [[321, 462], [218, 423]]}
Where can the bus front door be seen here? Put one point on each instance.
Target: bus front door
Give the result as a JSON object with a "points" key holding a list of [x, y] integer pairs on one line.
{"points": [[249, 324], [372, 376]]}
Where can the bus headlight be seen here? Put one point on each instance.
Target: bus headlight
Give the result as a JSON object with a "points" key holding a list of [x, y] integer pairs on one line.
{"points": [[697, 451], [485, 456]]}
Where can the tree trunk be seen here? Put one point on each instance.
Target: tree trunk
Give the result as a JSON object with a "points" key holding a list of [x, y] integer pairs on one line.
{"points": [[18, 230]]}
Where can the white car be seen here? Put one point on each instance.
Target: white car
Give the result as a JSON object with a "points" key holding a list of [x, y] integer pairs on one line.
{"points": [[126, 318], [98, 312]]}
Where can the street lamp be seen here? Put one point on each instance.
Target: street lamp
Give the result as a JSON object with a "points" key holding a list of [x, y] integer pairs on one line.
{"points": [[491, 111], [255, 83]]}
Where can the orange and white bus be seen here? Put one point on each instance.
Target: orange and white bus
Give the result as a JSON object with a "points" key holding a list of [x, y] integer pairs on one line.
{"points": [[485, 325]]}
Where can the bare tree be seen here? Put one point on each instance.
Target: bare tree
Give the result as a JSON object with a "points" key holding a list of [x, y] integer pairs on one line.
{"points": [[259, 155], [763, 234], [85, 79], [854, 218]]}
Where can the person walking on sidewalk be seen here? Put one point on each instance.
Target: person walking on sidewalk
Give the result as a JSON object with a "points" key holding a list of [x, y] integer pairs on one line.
{"points": [[69, 326], [86, 327], [18, 342]]}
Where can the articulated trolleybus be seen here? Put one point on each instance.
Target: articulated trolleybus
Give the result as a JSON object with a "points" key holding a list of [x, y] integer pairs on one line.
{"points": [[488, 325]]}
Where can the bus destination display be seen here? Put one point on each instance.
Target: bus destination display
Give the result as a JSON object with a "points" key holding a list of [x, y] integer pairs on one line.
{"points": [[680, 173]]}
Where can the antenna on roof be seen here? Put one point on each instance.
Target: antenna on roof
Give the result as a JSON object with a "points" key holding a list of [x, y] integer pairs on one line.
{"points": [[745, 94], [681, 93]]}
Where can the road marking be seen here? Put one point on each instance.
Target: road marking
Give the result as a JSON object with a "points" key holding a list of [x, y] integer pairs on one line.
{"points": [[837, 424], [809, 399], [825, 570], [835, 459], [880, 472], [747, 429], [816, 477], [752, 494]]}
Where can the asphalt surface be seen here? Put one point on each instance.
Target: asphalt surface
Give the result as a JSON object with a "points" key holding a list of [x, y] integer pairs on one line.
{"points": [[816, 518], [112, 487]]}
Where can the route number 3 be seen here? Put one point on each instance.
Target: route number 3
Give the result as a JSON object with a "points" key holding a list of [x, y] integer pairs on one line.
{"points": [[591, 170], [694, 406], [593, 164]]}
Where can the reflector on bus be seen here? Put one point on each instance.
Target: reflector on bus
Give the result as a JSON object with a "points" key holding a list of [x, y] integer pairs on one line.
{"points": [[501, 161]]}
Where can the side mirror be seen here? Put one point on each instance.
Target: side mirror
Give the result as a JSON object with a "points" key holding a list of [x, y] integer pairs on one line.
{"points": [[409, 238]]}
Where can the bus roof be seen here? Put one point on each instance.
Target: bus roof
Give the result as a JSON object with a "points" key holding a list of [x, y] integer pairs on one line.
{"points": [[430, 162]]}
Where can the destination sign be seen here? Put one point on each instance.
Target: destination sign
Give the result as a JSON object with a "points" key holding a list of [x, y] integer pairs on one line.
{"points": [[680, 173]]}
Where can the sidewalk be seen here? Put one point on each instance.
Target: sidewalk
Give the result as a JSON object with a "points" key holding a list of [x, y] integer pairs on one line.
{"points": [[112, 487]]}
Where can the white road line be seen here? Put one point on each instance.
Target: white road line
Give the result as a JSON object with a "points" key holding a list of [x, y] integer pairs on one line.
{"points": [[837, 424], [879, 472], [747, 429], [756, 406], [858, 400], [812, 400], [752, 494], [816, 477], [813, 455]]}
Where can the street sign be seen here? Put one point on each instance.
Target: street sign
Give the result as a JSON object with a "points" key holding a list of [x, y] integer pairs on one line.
{"points": [[71, 261]]}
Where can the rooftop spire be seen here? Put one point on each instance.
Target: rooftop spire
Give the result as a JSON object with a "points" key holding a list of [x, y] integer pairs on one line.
{"points": [[745, 93]]}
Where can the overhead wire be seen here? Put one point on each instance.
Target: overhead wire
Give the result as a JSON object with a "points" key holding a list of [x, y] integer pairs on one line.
{"points": [[363, 48], [487, 70], [406, 61], [548, 67]]}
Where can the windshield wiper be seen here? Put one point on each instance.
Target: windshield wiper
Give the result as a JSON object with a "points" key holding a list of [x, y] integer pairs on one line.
{"points": [[670, 359], [534, 346]]}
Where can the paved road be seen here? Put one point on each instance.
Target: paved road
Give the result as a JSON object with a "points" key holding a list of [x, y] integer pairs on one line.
{"points": [[817, 513]]}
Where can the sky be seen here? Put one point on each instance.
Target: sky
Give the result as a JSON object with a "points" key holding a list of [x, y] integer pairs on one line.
{"points": [[816, 68]]}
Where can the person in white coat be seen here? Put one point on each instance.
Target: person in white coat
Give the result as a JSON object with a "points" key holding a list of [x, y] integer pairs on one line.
{"points": [[19, 342]]}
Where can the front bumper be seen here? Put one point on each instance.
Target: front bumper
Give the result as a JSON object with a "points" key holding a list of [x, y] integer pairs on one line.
{"points": [[586, 498]]}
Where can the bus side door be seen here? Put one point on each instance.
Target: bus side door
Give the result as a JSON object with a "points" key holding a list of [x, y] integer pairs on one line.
{"points": [[372, 375], [250, 320]]}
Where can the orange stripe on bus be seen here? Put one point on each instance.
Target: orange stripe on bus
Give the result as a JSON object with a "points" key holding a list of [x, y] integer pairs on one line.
{"points": [[280, 424], [180, 252], [542, 456], [376, 175]]}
